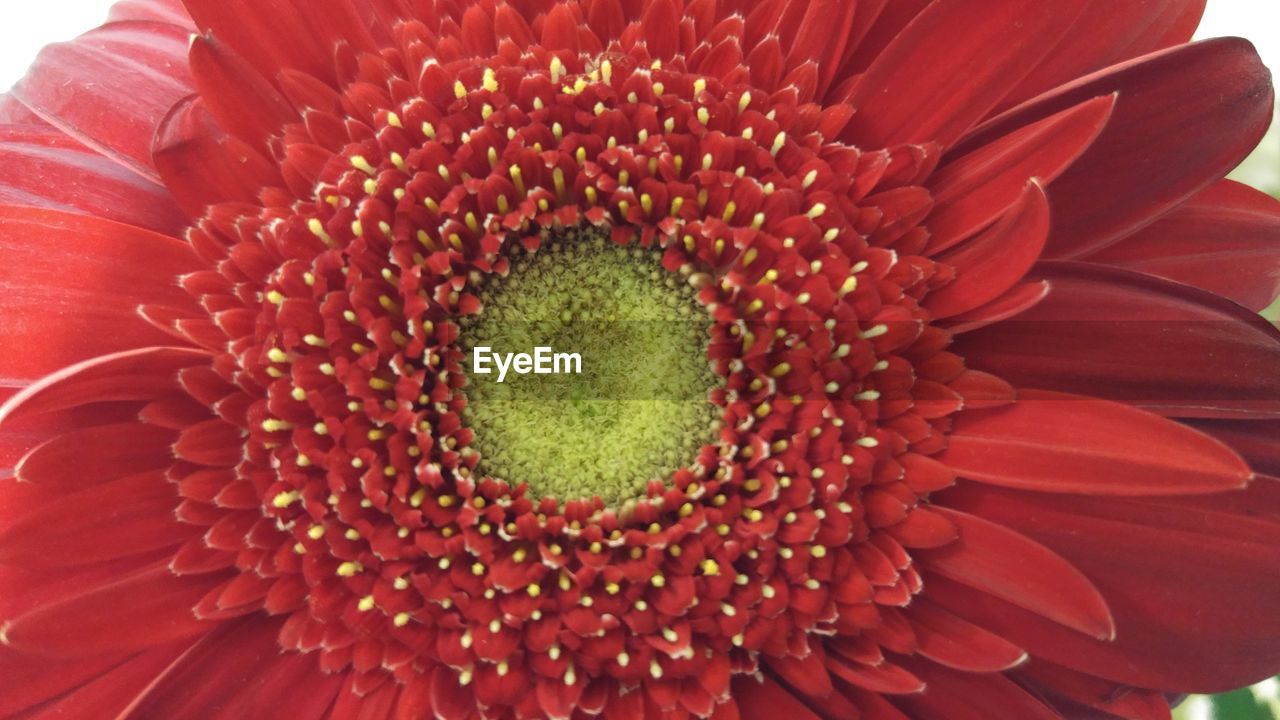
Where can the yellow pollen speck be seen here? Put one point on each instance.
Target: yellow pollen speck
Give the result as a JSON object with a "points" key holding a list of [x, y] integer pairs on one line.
{"points": [[401, 619], [349, 569], [459, 90], [779, 141], [366, 603], [285, 499], [317, 228], [490, 81], [360, 163]]}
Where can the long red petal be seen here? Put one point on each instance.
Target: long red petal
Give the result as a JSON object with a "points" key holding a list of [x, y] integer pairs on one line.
{"points": [[107, 452], [1135, 338], [39, 535], [202, 165], [956, 643], [242, 100], [1053, 442], [44, 167], [240, 672], [77, 86], [1192, 589], [972, 191], [143, 609], [1172, 134], [1222, 240], [1010, 566], [63, 275], [132, 375], [910, 94], [992, 263], [953, 695], [1109, 32], [766, 699]]}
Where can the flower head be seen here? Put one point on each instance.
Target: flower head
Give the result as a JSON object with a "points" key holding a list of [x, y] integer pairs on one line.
{"points": [[921, 378]]}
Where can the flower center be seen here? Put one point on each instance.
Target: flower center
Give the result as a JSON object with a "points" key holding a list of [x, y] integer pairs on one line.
{"points": [[634, 409]]}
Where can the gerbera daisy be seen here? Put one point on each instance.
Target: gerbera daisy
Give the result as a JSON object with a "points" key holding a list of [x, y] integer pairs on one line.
{"points": [[921, 375]]}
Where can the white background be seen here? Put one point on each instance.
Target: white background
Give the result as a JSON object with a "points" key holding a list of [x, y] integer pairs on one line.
{"points": [[26, 26]]}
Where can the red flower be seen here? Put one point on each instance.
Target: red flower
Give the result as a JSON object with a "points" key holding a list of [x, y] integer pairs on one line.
{"points": [[252, 476]]}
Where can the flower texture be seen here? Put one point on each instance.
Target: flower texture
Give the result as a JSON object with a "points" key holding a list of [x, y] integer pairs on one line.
{"points": [[928, 379]]}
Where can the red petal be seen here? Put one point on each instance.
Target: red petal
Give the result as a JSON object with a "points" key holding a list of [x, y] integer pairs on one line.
{"points": [[13, 112], [1192, 589], [29, 683], [142, 609], [110, 693], [1010, 566], [1135, 338], [1109, 32], [1257, 441], [1222, 240], [236, 94], [808, 675], [821, 36], [1054, 442], [44, 167], [765, 699], [240, 672], [62, 303], [39, 535], [449, 698], [972, 191], [112, 451], [1125, 702], [254, 29], [949, 640], [1172, 134], [658, 28], [136, 375], [910, 94], [78, 87], [169, 11], [213, 442], [953, 695], [885, 677], [202, 165], [1013, 303], [992, 263]]}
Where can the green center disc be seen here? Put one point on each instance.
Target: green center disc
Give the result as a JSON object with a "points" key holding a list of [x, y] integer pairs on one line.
{"points": [[638, 409]]}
